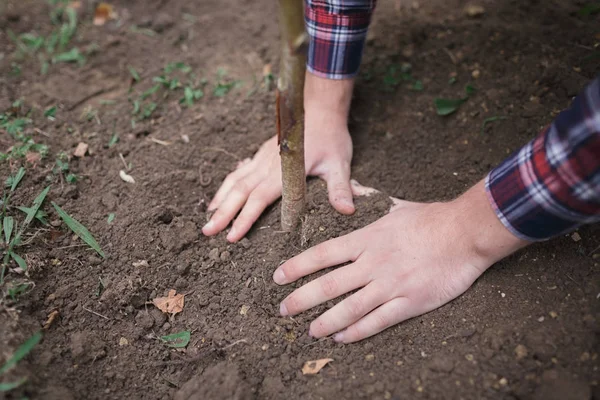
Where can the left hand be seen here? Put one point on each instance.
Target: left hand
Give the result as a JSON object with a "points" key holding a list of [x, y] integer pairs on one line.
{"points": [[411, 261]]}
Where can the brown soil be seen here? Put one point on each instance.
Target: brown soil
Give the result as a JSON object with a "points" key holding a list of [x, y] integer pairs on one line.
{"points": [[526, 329]]}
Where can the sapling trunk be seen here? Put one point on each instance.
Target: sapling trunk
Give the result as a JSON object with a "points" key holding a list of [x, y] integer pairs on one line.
{"points": [[290, 111]]}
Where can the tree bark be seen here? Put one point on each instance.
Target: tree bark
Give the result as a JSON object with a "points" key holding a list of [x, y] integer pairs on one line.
{"points": [[290, 111]]}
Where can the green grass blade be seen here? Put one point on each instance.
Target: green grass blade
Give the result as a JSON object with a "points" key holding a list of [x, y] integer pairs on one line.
{"points": [[37, 203], [21, 352], [8, 224], [19, 260], [79, 229], [14, 181], [7, 387]]}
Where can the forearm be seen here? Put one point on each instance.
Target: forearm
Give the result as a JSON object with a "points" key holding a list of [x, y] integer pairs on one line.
{"points": [[486, 238], [328, 98]]}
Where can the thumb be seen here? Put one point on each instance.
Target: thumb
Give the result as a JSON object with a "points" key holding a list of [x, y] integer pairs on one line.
{"points": [[338, 186]]}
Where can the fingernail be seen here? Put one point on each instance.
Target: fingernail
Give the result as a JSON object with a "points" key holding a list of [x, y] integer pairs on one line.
{"points": [[209, 225], [232, 233], [283, 310], [339, 337], [279, 276]]}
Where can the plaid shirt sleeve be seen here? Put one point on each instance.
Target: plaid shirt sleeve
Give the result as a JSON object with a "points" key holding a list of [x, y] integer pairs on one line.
{"points": [[552, 185], [337, 31]]}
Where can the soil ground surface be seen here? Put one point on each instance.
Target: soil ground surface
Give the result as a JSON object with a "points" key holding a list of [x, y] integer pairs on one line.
{"points": [[527, 329]]}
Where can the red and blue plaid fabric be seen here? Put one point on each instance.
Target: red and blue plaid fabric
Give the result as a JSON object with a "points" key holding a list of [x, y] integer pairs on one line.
{"points": [[337, 30], [552, 184]]}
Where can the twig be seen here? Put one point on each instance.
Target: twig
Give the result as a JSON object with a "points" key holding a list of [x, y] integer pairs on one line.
{"points": [[124, 162], [234, 343], [569, 276], [88, 97], [316, 342], [41, 132], [70, 246], [95, 313], [223, 151], [593, 251], [452, 56]]}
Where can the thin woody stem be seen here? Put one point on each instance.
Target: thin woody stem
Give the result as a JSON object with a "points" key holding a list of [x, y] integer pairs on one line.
{"points": [[290, 111]]}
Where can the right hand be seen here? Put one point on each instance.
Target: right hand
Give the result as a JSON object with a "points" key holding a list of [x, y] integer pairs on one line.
{"points": [[256, 183]]}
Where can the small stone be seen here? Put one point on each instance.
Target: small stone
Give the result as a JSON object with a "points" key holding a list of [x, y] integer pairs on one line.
{"points": [[166, 326], [225, 256], [370, 357], [503, 382], [520, 351], [553, 314], [141, 264], [503, 295], [576, 236], [123, 342], [265, 347], [475, 74], [162, 22], [541, 319], [585, 356], [56, 223], [474, 10], [244, 309], [214, 254], [245, 243]]}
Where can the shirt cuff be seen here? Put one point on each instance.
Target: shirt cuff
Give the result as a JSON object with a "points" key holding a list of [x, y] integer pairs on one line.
{"points": [[337, 31], [552, 185]]}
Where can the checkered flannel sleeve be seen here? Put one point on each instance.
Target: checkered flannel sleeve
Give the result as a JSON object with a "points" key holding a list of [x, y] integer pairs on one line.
{"points": [[552, 185], [337, 31]]}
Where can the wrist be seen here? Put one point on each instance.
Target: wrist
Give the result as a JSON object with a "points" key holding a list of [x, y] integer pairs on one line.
{"points": [[328, 98], [486, 238]]}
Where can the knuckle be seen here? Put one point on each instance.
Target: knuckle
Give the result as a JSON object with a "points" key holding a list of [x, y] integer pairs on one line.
{"points": [[381, 321], [356, 306], [293, 303], [321, 252], [329, 286], [241, 188]]}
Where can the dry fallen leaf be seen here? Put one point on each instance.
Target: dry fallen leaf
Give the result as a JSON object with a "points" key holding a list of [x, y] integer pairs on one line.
{"points": [[244, 309], [172, 304], [51, 317], [125, 177], [313, 367], [103, 13], [81, 149], [33, 158]]}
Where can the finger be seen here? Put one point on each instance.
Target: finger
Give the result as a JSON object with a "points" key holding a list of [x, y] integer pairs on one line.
{"points": [[327, 287], [231, 205], [324, 255], [228, 184], [349, 310], [389, 314], [244, 162], [260, 198], [360, 190], [338, 186]]}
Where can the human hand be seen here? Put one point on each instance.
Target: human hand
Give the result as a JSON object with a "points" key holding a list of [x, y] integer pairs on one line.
{"points": [[411, 261], [256, 183]]}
